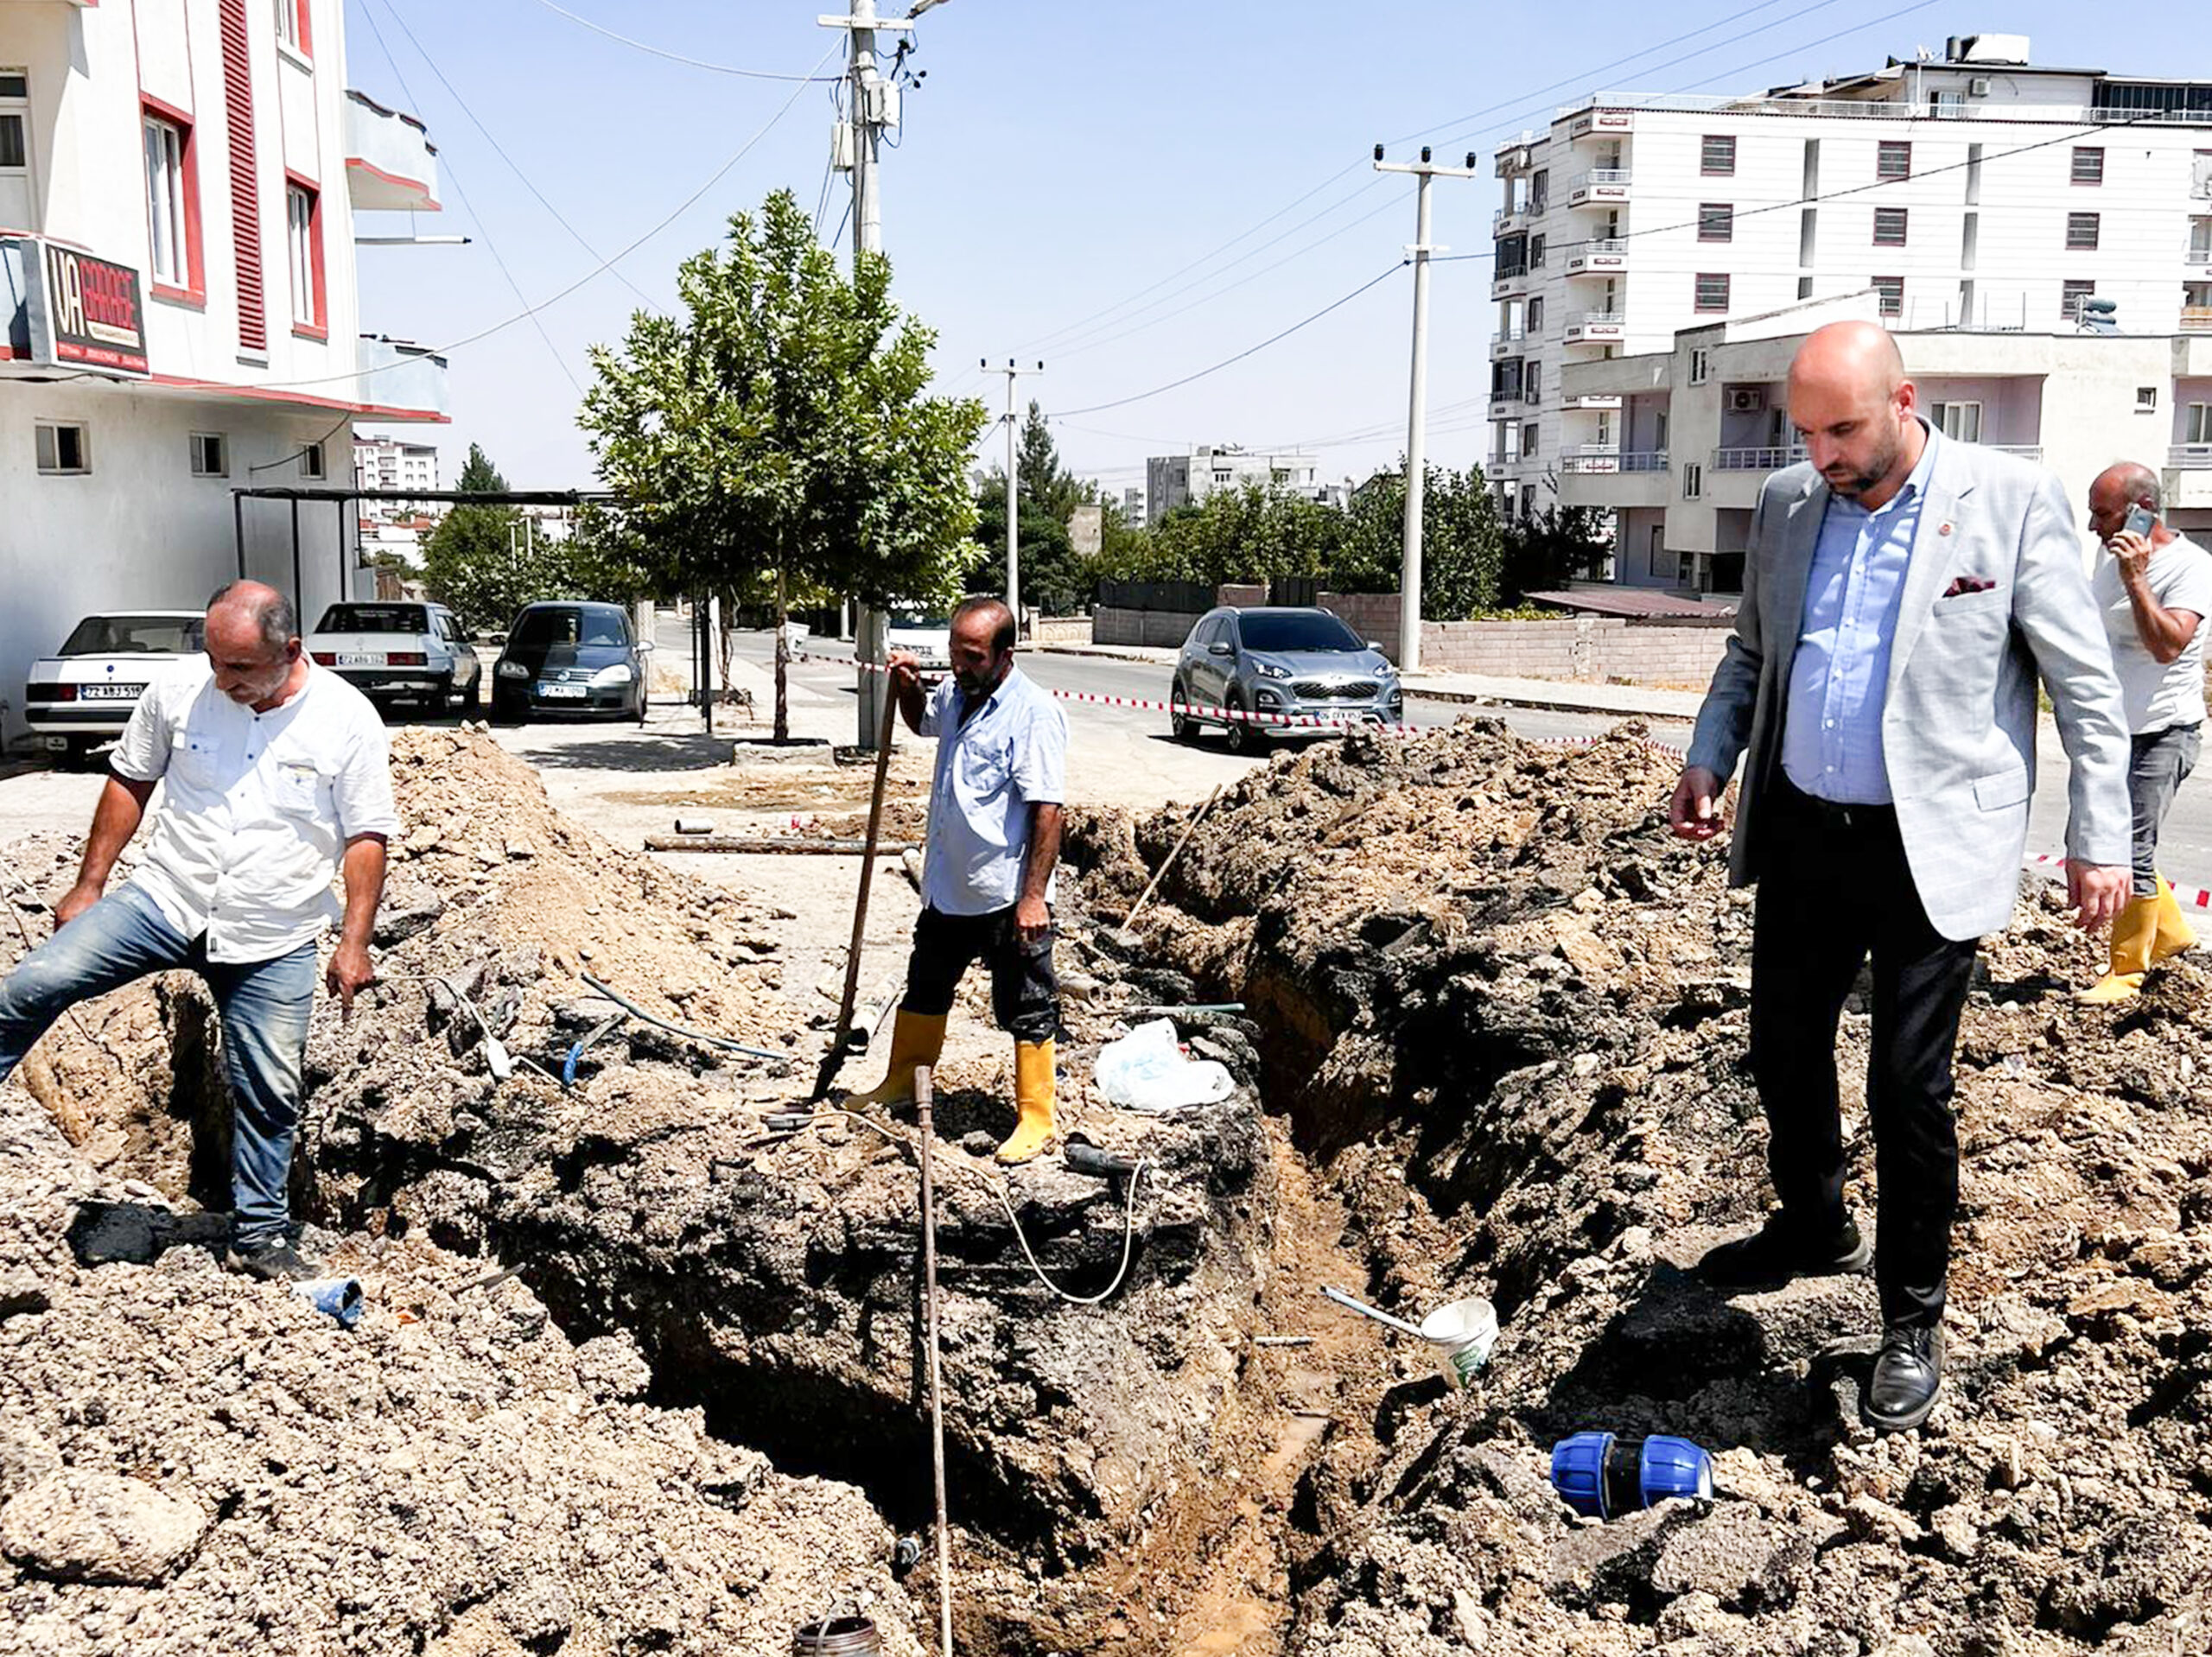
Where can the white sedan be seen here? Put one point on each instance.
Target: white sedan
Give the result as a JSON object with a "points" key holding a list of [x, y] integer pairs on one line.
{"points": [[81, 696]]}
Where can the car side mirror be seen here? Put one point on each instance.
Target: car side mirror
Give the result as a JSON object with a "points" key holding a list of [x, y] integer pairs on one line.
{"points": [[646, 644], [1222, 647], [1374, 646]]}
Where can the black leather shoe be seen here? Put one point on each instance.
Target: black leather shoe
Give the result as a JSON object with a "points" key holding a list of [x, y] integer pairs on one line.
{"points": [[1907, 1376], [1781, 1250]]}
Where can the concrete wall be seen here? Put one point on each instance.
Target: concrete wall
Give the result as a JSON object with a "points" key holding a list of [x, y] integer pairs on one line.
{"points": [[1594, 650], [1164, 628], [1060, 630]]}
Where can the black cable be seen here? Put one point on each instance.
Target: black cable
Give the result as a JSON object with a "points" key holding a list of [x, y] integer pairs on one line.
{"points": [[301, 452], [677, 57], [500, 149]]}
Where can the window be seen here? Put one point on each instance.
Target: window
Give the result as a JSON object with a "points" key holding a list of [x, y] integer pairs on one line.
{"points": [[2089, 165], [1540, 192], [1890, 291], [1535, 316], [1717, 156], [1804, 287], [1716, 221], [1892, 159], [62, 450], [1959, 420], [1530, 435], [1692, 483], [1712, 290], [311, 461], [211, 455], [172, 206], [1889, 226], [1662, 564], [2081, 232], [2070, 295], [292, 23], [303, 239], [1532, 386], [1700, 366], [2146, 399], [2197, 426], [15, 90], [1535, 252]]}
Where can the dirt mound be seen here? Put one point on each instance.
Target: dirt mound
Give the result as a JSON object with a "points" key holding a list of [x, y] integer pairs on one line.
{"points": [[1504, 1013]]}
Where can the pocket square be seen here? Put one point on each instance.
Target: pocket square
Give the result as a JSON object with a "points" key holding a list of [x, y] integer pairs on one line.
{"points": [[1966, 584]]}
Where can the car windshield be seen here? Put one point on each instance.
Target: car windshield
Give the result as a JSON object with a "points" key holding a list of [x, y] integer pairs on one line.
{"points": [[539, 629], [374, 619], [907, 622], [1307, 629], [136, 635]]}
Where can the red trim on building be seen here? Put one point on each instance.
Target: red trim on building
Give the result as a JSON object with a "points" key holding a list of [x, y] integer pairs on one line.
{"points": [[317, 325], [257, 394], [194, 290], [431, 204], [306, 27], [245, 189]]}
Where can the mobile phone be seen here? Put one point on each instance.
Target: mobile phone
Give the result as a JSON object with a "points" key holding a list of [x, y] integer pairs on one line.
{"points": [[2139, 521]]}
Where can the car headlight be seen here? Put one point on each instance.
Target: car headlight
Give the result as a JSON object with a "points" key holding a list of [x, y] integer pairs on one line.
{"points": [[1265, 697], [619, 674], [1269, 670], [1388, 670], [512, 671]]}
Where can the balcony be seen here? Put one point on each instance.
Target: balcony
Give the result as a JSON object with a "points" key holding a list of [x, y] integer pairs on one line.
{"points": [[1594, 460], [400, 380], [1506, 342], [1611, 479], [1505, 405], [2197, 256], [1509, 284], [1755, 459], [2188, 476], [1607, 257], [1506, 220], [1601, 186], [1595, 329], [391, 166], [1600, 123], [2197, 319], [1587, 402]]}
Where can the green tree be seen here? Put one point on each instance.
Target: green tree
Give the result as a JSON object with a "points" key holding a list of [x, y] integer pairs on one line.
{"points": [[773, 438], [1054, 580], [479, 562], [1253, 533], [1546, 551], [1462, 549]]}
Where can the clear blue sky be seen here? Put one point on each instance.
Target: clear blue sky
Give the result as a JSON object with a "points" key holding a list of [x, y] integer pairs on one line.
{"points": [[1059, 160]]}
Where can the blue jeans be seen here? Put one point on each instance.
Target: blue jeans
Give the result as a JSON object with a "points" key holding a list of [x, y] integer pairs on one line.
{"points": [[264, 1006]]}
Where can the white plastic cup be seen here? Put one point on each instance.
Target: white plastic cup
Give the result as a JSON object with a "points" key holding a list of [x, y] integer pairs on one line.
{"points": [[1461, 1336]]}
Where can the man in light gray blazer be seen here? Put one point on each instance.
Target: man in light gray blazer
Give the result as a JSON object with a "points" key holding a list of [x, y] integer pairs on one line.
{"points": [[1901, 595]]}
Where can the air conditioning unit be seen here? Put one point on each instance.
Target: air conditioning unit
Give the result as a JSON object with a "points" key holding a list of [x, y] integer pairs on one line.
{"points": [[1978, 88], [1747, 399]]}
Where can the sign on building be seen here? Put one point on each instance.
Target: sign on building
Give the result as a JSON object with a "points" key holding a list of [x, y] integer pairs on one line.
{"points": [[63, 307]]}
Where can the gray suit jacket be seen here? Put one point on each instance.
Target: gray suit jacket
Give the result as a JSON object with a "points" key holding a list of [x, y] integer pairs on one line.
{"points": [[1959, 723]]}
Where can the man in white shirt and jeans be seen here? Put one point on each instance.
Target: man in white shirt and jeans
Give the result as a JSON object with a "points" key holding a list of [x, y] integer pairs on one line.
{"points": [[2154, 590], [277, 776], [987, 885]]}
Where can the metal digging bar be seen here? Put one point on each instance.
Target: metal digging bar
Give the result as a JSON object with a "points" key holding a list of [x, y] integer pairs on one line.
{"points": [[927, 1134], [841, 1043]]}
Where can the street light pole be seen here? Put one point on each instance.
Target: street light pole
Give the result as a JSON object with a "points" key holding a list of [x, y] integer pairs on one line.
{"points": [[1013, 488], [1417, 413]]}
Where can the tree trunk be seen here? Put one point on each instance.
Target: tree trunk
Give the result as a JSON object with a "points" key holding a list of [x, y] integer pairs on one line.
{"points": [[783, 656], [728, 642]]}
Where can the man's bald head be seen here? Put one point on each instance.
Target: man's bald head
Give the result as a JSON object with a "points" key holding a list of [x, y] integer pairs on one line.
{"points": [[257, 606], [1853, 405], [253, 640], [982, 645], [2118, 487]]}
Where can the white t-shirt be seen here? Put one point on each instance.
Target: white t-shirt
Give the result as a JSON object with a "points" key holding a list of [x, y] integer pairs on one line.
{"points": [[1010, 754], [256, 808], [2157, 695]]}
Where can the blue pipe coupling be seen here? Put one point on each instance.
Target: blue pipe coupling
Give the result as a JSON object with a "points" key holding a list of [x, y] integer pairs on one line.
{"points": [[1601, 1477], [337, 1296]]}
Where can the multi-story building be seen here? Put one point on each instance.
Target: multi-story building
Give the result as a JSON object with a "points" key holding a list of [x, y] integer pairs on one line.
{"points": [[1974, 192], [1698, 434], [1172, 480], [178, 309], [392, 463]]}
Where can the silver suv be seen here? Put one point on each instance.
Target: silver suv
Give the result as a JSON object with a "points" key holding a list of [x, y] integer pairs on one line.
{"points": [[1301, 661]]}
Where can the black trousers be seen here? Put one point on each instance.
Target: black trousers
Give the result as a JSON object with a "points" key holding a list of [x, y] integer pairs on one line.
{"points": [[1834, 890], [1025, 993]]}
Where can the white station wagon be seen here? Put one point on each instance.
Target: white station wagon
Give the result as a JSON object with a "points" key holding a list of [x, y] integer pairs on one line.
{"points": [[81, 696]]}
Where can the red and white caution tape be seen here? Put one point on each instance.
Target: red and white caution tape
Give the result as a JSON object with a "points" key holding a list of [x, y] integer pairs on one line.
{"points": [[2194, 896]]}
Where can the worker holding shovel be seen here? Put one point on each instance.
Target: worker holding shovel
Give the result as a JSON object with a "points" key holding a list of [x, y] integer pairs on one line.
{"points": [[986, 883]]}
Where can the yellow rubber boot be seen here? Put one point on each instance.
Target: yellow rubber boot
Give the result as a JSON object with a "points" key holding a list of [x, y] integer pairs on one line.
{"points": [[917, 1038], [1035, 1132], [2173, 933], [2131, 954]]}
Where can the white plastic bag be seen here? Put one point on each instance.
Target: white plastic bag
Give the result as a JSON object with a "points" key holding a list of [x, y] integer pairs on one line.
{"points": [[1147, 1070]]}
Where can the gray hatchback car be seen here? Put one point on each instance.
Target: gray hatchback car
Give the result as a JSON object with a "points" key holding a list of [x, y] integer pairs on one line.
{"points": [[1301, 661]]}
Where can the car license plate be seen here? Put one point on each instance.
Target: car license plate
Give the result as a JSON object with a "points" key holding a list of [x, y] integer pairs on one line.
{"points": [[566, 692], [360, 659], [109, 692]]}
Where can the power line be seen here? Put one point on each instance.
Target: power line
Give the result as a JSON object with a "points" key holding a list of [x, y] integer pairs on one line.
{"points": [[681, 208], [1225, 362], [679, 57], [499, 149], [1807, 46]]}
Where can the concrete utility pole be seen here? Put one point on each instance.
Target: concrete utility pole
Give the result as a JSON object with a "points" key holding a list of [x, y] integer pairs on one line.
{"points": [[1417, 414], [873, 106], [1012, 487]]}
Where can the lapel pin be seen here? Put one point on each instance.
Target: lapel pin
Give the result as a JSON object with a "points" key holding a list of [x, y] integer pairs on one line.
{"points": [[1944, 527]]}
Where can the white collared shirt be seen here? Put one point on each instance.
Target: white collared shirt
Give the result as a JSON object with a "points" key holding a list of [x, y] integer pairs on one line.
{"points": [[256, 808], [1010, 754]]}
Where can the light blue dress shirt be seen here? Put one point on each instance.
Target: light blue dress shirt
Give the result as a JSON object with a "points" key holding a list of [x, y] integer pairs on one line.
{"points": [[1008, 755], [1832, 733]]}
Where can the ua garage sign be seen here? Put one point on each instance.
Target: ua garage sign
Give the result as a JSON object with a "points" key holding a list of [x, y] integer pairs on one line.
{"points": [[63, 307]]}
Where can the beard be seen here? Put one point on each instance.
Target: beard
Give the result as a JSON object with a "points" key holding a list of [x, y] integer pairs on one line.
{"points": [[1852, 484]]}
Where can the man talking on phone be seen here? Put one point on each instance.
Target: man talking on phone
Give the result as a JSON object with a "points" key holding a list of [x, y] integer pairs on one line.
{"points": [[2154, 590]]}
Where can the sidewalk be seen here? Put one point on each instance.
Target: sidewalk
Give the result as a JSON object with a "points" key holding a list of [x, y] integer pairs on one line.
{"points": [[1562, 695]]}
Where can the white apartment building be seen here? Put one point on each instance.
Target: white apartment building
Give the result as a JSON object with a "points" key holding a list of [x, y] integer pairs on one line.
{"points": [[392, 463], [1172, 480], [1975, 192], [1702, 426], [178, 310]]}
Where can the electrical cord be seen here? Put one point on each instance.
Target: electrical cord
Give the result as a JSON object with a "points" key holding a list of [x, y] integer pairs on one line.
{"points": [[301, 452], [679, 57]]}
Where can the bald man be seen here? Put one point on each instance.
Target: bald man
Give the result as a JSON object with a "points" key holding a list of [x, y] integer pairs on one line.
{"points": [[987, 880], [1901, 595], [275, 777], [2154, 590]]}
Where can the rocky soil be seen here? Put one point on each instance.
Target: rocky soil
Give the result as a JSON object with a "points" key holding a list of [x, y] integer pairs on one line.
{"points": [[1504, 1015]]}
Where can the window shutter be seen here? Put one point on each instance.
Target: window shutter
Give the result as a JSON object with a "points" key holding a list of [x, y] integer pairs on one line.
{"points": [[246, 192]]}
